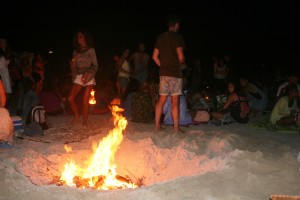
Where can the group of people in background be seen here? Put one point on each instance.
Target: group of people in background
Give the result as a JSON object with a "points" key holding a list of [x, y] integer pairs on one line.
{"points": [[178, 96], [22, 79]]}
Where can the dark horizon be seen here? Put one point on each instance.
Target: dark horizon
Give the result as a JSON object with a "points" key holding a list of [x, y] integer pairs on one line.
{"points": [[255, 32]]}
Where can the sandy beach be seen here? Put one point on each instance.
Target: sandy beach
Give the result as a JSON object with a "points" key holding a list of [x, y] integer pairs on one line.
{"points": [[208, 162]]}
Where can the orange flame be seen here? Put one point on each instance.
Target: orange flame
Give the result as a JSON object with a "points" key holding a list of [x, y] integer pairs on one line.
{"points": [[92, 99], [102, 161], [68, 148]]}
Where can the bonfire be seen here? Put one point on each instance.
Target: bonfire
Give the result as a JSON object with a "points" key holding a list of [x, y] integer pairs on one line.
{"points": [[99, 171]]}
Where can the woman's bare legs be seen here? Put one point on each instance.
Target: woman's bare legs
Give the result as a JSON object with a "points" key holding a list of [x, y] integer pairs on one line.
{"points": [[86, 96], [75, 89]]}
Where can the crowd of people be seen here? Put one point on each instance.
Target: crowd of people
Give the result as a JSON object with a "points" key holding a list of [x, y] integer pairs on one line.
{"points": [[160, 86]]}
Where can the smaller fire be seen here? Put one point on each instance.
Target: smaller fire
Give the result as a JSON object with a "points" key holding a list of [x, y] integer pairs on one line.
{"points": [[92, 99], [68, 148]]}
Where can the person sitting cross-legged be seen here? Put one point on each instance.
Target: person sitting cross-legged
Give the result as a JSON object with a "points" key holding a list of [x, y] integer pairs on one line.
{"points": [[236, 107], [256, 96]]}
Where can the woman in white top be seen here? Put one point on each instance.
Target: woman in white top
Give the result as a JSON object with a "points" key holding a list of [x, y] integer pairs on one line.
{"points": [[84, 66]]}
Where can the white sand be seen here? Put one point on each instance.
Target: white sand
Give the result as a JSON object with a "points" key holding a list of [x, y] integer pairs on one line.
{"points": [[206, 162]]}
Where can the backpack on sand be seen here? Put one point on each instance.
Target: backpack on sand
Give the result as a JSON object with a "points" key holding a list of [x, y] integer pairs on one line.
{"points": [[38, 115]]}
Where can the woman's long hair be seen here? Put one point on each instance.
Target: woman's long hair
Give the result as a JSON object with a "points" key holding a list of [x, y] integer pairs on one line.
{"points": [[88, 38]]}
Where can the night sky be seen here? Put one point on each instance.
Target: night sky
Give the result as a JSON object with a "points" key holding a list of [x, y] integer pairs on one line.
{"points": [[256, 31]]}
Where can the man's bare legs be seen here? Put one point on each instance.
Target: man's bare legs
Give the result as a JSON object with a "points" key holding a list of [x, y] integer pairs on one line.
{"points": [[175, 112], [158, 111], [75, 89], [86, 96]]}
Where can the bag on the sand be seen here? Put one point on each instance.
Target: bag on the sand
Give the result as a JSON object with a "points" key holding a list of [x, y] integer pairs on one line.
{"points": [[201, 117], [6, 126], [38, 115]]}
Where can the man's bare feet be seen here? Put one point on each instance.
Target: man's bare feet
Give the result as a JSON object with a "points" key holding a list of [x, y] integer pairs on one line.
{"points": [[85, 123], [178, 130], [159, 128], [74, 120]]}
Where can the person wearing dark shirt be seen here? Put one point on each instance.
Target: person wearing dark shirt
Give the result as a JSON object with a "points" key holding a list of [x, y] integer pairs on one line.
{"points": [[169, 56]]}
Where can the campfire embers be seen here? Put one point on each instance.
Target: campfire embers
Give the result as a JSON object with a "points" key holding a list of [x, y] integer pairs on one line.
{"points": [[121, 182], [100, 170]]}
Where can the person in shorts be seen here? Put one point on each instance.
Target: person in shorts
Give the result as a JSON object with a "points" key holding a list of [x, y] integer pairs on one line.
{"points": [[168, 54], [84, 66]]}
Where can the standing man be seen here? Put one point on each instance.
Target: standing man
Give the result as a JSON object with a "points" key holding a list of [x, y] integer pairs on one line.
{"points": [[168, 54]]}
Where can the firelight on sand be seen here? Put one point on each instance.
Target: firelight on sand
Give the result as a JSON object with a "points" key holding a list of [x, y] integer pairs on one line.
{"points": [[99, 171]]}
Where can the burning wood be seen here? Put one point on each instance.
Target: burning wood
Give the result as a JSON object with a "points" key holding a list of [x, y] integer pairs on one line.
{"points": [[98, 180], [100, 172], [84, 182]]}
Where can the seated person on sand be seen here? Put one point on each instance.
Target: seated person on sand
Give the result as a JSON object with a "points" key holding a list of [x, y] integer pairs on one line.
{"points": [[137, 102], [51, 98], [199, 101], [142, 107], [236, 107], [2, 94], [256, 96], [6, 127], [286, 108], [51, 102], [292, 79], [126, 101], [185, 118], [6, 124], [29, 98], [220, 74]]}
